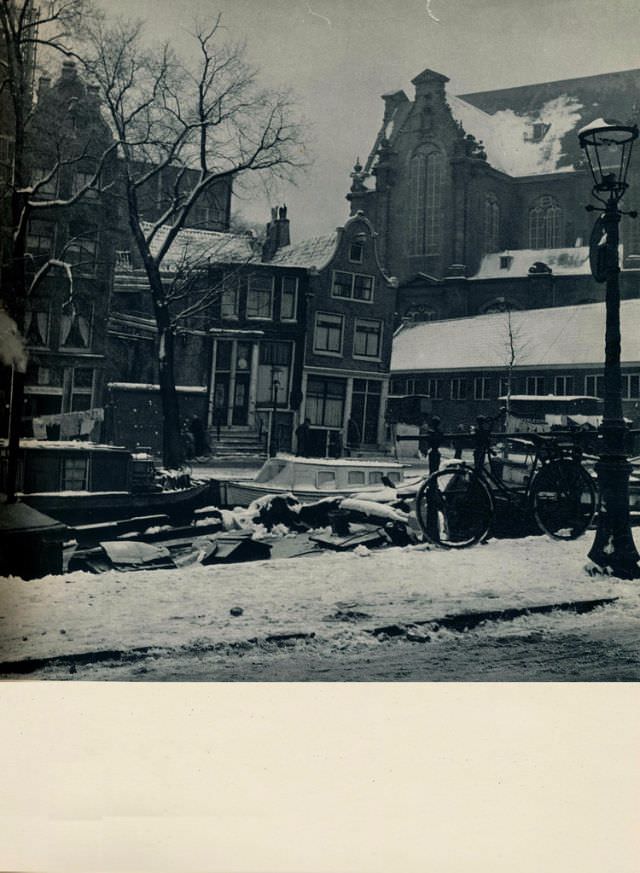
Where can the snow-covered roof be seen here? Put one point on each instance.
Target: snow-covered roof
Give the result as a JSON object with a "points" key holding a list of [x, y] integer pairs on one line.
{"points": [[144, 386], [314, 252], [509, 140], [196, 247], [569, 262], [557, 336]]}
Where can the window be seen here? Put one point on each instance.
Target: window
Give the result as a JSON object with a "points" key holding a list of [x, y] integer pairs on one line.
{"points": [[327, 338], [594, 386], [367, 339], [458, 389], [230, 298], [545, 220], [352, 286], [398, 386], [355, 477], [326, 479], [275, 353], [6, 150], [50, 376], [492, 225], [505, 262], [631, 235], [46, 190], [288, 298], [75, 327], [82, 392], [325, 401], [74, 474], [537, 132], [81, 248], [260, 297], [434, 388], [40, 236], [563, 385], [365, 408], [535, 386], [356, 252], [37, 326], [631, 386], [426, 178], [85, 179], [481, 388]]}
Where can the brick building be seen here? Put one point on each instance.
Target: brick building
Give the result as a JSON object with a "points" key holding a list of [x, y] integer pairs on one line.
{"points": [[479, 199]]}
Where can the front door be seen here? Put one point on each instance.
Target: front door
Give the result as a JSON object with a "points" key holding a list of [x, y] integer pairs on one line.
{"points": [[241, 399]]}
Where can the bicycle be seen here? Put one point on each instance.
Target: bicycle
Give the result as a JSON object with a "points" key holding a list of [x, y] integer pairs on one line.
{"points": [[456, 506]]}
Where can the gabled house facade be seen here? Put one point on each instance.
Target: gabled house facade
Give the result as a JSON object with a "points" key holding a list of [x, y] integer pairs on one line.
{"points": [[349, 325]]}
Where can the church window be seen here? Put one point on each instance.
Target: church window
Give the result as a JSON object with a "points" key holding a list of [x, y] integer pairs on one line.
{"points": [[545, 224], [491, 224], [426, 178]]}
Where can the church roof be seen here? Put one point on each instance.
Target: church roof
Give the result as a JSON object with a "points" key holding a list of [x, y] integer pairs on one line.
{"points": [[565, 105], [562, 262], [557, 336]]}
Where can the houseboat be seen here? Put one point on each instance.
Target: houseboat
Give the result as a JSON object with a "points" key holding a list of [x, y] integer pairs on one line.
{"points": [[79, 482], [311, 479]]}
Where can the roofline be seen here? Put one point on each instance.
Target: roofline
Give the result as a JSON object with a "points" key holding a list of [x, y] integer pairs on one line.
{"points": [[547, 82]]}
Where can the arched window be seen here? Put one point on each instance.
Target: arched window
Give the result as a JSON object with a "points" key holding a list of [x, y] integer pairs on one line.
{"points": [[545, 224], [631, 235], [491, 224], [426, 176]]}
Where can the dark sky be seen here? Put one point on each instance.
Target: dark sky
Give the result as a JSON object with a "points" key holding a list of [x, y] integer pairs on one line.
{"points": [[340, 55]]}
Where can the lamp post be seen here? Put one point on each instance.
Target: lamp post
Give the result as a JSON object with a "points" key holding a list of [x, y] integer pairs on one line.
{"points": [[608, 145], [273, 436]]}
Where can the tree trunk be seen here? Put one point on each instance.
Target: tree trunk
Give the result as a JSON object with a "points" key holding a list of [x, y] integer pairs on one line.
{"points": [[172, 451]]}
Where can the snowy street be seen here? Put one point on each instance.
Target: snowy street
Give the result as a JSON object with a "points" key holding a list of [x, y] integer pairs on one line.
{"points": [[398, 614]]}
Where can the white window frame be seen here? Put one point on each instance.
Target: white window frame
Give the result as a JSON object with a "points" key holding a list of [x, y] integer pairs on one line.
{"points": [[230, 285], [535, 380], [627, 382], [367, 322], [481, 387], [598, 379], [339, 319], [457, 383], [293, 279], [565, 382], [353, 286], [262, 290]]}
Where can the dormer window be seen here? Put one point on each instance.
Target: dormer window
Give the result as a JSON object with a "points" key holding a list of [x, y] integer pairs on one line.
{"points": [[537, 132], [356, 252], [505, 262]]}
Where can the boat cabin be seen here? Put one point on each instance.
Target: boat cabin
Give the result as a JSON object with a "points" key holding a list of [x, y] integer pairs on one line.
{"points": [[52, 466], [296, 473]]}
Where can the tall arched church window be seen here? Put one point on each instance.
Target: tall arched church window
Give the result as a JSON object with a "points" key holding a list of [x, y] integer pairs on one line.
{"points": [[545, 224], [631, 235], [491, 224], [426, 177]]}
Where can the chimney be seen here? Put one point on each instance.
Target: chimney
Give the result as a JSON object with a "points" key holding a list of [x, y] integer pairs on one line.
{"points": [[44, 83], [69, 72], [93, 93], [277, 233]]}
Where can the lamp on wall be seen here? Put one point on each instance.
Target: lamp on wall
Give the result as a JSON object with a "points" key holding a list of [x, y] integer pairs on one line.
{"points": [[607, 146]]}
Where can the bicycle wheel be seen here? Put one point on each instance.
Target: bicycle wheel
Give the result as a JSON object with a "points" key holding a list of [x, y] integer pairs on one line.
{"points": [[563, 499], [454, 508]]}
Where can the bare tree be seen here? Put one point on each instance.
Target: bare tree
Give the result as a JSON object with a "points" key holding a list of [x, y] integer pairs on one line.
{"points": [[28, 31], [190, 127], [512, 349]]}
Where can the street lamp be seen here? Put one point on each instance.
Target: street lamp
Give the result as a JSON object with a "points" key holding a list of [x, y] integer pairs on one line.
{"points": [[608, 145], [273, 437]]}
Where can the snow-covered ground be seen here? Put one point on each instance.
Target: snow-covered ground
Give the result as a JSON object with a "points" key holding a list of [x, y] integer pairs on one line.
{"points": [[330, 603]]}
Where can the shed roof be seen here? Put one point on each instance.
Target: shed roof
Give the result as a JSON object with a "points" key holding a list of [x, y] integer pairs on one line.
{"points": [[557, 336]]}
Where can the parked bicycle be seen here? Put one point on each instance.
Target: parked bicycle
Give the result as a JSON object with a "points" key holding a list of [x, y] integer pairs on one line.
{"points": [[456, 506]]}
